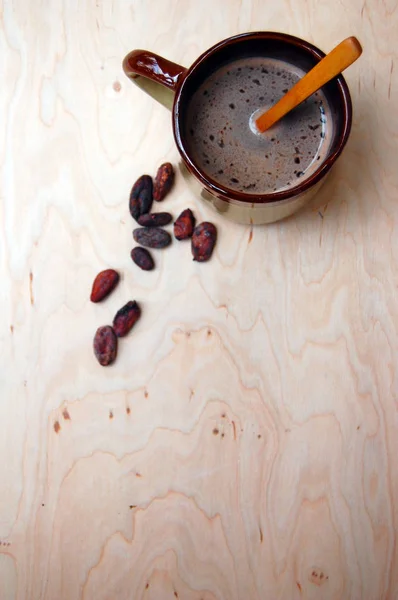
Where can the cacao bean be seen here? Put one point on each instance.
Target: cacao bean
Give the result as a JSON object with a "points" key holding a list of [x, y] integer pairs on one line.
{"points": [[105, 345], [203, 241], [163, 181], [103, 284], [141, 196], [142, 258], [152, 237], [155, 219], [126, 318], [184, 225]]}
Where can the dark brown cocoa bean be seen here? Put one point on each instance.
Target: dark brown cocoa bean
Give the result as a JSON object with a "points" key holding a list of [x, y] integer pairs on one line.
{"points": [[141, 196], [163, 181], [105, 345], [203, 241], [184, 225], [152, 237], [126, 318], [155, 219], [142, 258], [103, 284]]}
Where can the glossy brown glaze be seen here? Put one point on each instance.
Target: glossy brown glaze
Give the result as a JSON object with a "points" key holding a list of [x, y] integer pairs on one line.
{"points": [[293, 49], [146, 64]]}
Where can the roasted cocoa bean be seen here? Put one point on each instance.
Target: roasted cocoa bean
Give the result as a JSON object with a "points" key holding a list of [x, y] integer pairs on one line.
{"points": [[155, 219], [142, 258], [152, 237], [203, 241], [105, 345], [126, 318], [163, 181], [141, 196], [103, 284], [184, 225]]}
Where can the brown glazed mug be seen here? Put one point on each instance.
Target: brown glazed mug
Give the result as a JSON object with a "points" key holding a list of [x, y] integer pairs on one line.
{"points": [[173, 85]]}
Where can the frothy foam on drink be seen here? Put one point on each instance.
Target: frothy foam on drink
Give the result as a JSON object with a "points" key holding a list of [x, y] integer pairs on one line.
{"points": [[223, 140]]}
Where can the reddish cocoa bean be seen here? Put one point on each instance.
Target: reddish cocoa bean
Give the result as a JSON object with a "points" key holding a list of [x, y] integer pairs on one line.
{"points": [[152, 237], [163, 181], [203, 241], [105, 345], [142, 258], [141, 196], [126, 318], [184, 226], [155, 219], [103, 284]]}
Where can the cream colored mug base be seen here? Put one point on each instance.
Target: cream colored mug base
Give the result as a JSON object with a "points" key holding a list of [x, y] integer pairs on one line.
{"points": [[246, 213]]}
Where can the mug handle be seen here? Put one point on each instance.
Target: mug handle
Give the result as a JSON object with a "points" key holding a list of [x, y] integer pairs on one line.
{"points": [[154, 74]]}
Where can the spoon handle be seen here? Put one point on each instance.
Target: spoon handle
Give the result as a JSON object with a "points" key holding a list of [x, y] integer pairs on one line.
{"points": [[341, 57]]}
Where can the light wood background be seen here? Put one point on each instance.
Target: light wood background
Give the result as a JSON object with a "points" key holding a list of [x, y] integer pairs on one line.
{"points": [[244, 445]]}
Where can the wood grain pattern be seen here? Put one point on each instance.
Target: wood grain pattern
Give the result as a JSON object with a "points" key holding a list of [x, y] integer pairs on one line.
{"points": [[244, 444]]}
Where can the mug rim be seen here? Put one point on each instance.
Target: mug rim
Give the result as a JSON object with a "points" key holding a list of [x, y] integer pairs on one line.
{"points": [[229, 194]]}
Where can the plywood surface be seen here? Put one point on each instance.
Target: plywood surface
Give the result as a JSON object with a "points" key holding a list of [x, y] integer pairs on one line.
{"points": [[244, 445]]}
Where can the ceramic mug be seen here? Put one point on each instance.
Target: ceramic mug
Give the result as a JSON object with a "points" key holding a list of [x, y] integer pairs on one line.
{"points": [[173, 85]]}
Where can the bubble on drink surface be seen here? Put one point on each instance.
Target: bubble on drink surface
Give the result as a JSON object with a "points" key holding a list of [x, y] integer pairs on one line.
{"points": [[253, 118]]}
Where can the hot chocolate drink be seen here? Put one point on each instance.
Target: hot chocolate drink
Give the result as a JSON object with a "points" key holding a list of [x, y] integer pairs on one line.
{"points": [[222, 143]]}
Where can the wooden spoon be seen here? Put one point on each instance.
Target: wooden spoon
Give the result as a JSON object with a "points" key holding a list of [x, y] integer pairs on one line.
{"points": [[341, 57]]}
